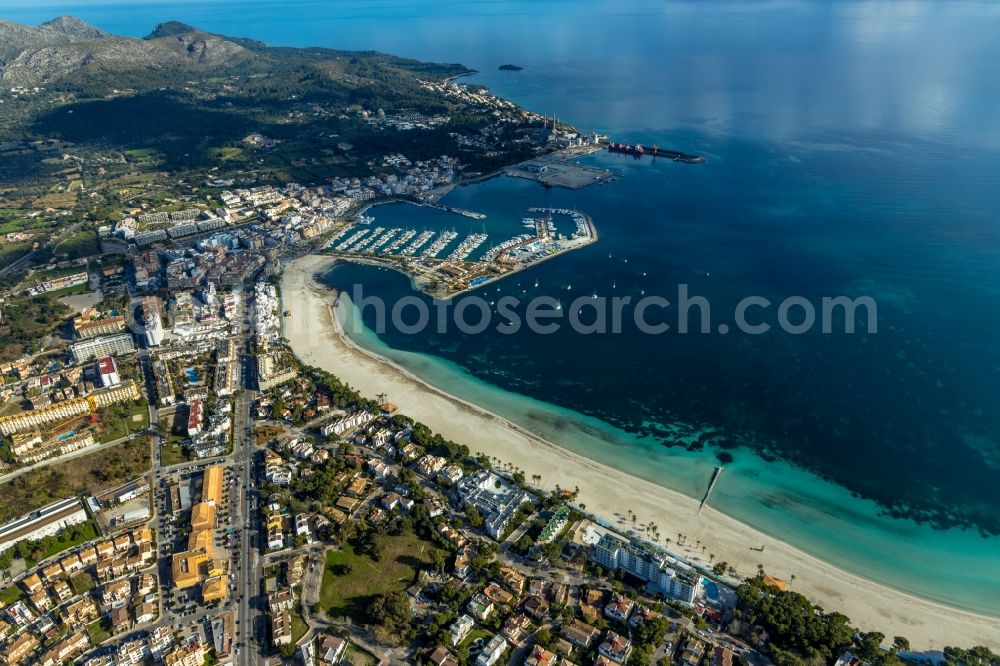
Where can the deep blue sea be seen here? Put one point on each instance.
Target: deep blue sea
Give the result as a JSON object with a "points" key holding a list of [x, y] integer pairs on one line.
{"points": [[853, 148]]}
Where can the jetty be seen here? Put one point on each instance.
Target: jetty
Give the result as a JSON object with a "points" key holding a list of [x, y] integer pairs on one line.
{"points": [[711, 486], [454, 209], [638, 151]]}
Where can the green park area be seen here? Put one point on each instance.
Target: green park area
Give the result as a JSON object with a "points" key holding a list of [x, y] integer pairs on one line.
{"points": [[351, 581]]}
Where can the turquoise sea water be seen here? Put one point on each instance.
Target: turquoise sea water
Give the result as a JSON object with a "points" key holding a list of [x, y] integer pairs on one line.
{"points": [[853, 148]]}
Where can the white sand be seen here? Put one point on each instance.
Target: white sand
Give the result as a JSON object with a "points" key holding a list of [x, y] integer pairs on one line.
{"points": [[316, 337]]}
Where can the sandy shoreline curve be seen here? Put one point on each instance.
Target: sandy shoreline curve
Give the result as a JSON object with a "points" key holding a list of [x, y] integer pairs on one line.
{"points": [[315, 335]]}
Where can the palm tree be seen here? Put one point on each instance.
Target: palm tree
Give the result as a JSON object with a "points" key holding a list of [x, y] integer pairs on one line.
{"points": [[711, 557], [760, 570]]}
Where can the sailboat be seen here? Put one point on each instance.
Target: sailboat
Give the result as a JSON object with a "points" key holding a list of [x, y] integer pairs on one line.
{"points": [[595, 295], [568, 287], [536, 284], [614, 284]]}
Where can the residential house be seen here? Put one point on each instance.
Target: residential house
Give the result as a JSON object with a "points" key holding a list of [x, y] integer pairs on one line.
{"points": [[691, 653], [121, 619], [513, 579], [62, 590], [642, 615], [116, 593], [441, 656], [80, 612], [65, 650], [429, 465], [52, 572], [536, 607], [330, 649], [32, 583], [516, 629], [498, 595], [19, 649], [539, 656], [615, 647], [41, 601], [460, 628], [480, 606], [492, 651], [580, 633], [145, 613], [619, 607], [722, 656], [450, 475]]}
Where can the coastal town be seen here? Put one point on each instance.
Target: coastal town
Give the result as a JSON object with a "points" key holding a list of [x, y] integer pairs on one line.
{"points": [[285, 517], [272, 488], [186, 478]]}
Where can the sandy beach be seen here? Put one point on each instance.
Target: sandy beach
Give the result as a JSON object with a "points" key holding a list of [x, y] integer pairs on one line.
{"points": [[316, 338]]}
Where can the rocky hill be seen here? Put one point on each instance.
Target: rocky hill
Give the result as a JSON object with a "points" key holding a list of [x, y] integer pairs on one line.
{"points": [[68, 53], [69, 49]]}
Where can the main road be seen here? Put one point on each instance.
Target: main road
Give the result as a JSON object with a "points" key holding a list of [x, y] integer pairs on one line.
{"points": [[251, 641]]}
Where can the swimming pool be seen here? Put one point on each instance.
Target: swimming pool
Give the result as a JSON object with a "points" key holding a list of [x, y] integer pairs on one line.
{"points": [[711, 589]]}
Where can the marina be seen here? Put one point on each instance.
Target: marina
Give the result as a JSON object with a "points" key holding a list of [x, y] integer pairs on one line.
{"points": [[445, 263]]}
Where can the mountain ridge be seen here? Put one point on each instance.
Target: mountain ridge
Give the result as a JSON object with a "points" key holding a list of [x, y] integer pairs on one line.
{"points": [[69, 54]]}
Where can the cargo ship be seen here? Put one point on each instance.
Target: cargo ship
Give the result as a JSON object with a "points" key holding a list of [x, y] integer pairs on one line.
{"points": [[639, 150]]}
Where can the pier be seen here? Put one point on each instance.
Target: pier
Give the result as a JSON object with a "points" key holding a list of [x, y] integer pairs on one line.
{"points": [[453, 209], [711, 486], [638, 151]]}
